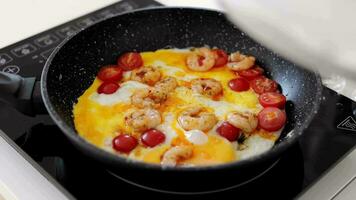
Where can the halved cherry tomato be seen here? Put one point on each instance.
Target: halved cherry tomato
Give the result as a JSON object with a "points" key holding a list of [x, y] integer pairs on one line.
{"points": [[130, 61], [124, 143], [110, 73], [272, 99], [251, 73], [263, 84], [228, 131], [271, 119], [153, 138], [239, 84], [221, 57], [108, 88]]}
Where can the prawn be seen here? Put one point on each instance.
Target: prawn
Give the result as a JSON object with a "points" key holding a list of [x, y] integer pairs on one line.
{"points": [[176, 154], [207, 86], [162, 88], [239, 62], [245, 121], [141, 98], [143, 119], [202, 59], [148, 75], [196, 118]]}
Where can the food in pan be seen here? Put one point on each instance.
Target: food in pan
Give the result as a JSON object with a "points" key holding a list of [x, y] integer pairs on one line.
{"points": [[182, 107]]}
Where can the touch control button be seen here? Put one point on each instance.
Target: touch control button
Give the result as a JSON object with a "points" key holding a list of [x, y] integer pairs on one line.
{"points": [[4, 59], [86, 22], [67, 31], [23, 50], [46, 40], [13, 69], [106, 14]]}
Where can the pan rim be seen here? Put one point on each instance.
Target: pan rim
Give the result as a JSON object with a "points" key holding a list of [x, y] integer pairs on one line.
{"points": [[108, 157]]}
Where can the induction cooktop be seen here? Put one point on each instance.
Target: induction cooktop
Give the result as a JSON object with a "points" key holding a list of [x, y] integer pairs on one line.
{"points": [[329, 137]]}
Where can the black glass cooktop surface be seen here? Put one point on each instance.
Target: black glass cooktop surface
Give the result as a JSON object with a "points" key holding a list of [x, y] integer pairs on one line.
{"points": [[331, 134]]}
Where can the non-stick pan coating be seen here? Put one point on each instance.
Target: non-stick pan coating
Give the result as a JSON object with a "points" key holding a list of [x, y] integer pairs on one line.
{"points": [[73, 66]]}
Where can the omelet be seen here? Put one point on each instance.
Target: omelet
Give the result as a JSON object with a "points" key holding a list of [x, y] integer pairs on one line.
{"points": [[99, 117]]}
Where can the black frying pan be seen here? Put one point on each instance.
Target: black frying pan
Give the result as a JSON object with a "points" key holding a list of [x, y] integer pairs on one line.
{"points": [[74, 64]]}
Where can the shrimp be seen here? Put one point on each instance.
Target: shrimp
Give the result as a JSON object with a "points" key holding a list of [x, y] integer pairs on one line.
{"points": [[202, 59], [141, 98], [168, 84], [176, 154], [207, 86], [246, 121], [152, 97], [239, 62], [143, 119], [162, 88], [148, 75], [196, 118]]}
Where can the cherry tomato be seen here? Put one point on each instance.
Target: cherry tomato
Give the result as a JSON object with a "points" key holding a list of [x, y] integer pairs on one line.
{"points": [[153, 138], [239, 84], [251, 73], [228, 131], [108, 88], [221, 57], [271, 119], [130, 61], [263, 84], [272, 99], [124, 143], [110, 73]]}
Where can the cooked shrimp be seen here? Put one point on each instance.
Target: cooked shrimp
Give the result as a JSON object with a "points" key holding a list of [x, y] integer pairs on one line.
{"points": [[238, 61], [197, 118], [168, 84], [162, 88], [246, 121], [143, 119], [148, 75], [142, 98], [207, 86], [176, 154], [202, 59]]}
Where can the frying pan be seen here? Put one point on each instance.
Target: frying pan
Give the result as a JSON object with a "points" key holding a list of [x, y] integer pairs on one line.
{"points": [[73, 65]]}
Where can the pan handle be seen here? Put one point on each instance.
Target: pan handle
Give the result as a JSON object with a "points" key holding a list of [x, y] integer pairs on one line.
{"points": [[23, 94]]}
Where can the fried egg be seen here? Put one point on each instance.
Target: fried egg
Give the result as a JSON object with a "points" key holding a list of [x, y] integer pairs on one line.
{"points": [[98, 118]]}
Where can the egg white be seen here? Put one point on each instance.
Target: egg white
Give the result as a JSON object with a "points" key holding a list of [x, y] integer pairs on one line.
{"points": [[123, 95]]}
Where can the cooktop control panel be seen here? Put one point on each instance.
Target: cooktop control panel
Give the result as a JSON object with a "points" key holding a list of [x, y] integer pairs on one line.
{"points": [[22, 57]]}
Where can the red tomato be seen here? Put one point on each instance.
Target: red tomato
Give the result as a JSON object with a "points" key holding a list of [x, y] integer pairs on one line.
{"points": [[153, 138], [124, 143], [228, 131], [130, 61], [263, 84], [239, 84], [272, 99], [110, 73], [271, 119], [221, 57], [108, 88], [251, 73]]}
